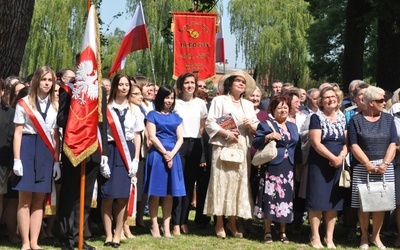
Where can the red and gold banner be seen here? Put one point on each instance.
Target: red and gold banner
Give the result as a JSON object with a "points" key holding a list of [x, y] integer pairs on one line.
{"points": [[194, 43]]}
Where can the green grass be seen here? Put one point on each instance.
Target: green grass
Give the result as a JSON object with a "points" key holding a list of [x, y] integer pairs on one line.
{"points": [[205, 239]]}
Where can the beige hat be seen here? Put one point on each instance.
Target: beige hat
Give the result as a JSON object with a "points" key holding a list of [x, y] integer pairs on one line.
{"points": [[250, 83]]}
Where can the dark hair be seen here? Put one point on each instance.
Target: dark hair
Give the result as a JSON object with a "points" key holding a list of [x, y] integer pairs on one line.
{"points": [[181, 80], [21, 94], [358, 87], [12, 91], [277, 100], [114, 86], [228, 85], [163, 92]]}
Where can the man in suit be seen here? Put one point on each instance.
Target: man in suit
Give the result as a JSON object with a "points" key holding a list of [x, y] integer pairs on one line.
{"points": [[70, 183], [276, 88]]}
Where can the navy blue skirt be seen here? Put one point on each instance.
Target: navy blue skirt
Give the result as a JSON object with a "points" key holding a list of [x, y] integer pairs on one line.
{"points": [[119, 184], [37, 162]]}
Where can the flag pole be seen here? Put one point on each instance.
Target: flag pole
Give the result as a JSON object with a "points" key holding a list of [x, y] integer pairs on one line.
{"points": [[82, 185], [152, 67]]}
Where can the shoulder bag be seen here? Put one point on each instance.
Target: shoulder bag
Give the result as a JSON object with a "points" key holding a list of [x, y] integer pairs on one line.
{"points": [[268, 153], [231, 153], [345, 179], [376, 196]]}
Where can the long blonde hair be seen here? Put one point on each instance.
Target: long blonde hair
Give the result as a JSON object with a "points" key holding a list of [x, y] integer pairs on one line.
{"points": [[35, 84]]}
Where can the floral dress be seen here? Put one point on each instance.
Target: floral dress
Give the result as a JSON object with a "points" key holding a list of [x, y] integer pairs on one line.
{"points": [[277, 186]]}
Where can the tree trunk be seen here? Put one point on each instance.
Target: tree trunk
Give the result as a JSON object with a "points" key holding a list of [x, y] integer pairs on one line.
{"points": [[354, 38], [15, 22], [388, 67]]}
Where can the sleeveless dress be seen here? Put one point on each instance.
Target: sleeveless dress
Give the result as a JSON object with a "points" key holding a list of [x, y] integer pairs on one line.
{"points": [[159, 180]]}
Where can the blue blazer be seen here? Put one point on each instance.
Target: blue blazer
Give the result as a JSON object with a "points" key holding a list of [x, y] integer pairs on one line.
{"points": [[293, 147]]}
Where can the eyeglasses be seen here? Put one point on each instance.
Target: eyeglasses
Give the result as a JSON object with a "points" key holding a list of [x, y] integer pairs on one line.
{"points": [[136, 93], [329, 97], [380, 100]]}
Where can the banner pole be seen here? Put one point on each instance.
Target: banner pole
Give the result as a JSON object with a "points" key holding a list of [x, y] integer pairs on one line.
{"points": [[152, 67], [82, 204]]}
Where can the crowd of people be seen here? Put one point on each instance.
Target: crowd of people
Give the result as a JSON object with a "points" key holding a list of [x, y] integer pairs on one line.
{"points": [[173, 143]]}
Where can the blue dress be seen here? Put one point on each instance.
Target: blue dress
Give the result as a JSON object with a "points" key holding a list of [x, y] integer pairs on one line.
{"points": [[323, 191], [159, 180]]}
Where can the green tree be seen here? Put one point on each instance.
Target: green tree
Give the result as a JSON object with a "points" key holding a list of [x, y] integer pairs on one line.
{"points": [[56, 34], [272, 36]]}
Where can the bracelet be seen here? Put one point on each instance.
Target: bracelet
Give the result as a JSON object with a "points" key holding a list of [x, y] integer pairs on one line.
{"points": [[227, 137], [342, 155], [386, 163]]}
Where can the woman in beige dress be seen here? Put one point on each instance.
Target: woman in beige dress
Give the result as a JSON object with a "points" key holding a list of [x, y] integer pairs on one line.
{"points": [[228, 191]]}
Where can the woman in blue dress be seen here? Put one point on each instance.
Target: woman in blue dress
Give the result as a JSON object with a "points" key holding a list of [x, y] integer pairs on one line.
{"points": [[36, 149], [163, 172], [124, 125], [327, 133]]}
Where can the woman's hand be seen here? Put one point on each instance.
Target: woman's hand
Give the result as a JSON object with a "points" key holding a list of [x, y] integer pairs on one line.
{"points": [[273, 136], [168, 156], [382, 168], [337, 162], [170, 163], [370, 167], [232, 136]]}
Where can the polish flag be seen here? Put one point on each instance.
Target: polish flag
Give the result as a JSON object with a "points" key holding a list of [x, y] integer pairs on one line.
{"points": [[80, 134], [135, 38], [220, 51]]}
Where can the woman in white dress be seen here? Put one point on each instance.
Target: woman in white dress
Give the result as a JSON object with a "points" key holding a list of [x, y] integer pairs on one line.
{"points": [[228, 191]]}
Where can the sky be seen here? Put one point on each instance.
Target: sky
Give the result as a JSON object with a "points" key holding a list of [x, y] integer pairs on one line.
{"points": [[110, 8]]}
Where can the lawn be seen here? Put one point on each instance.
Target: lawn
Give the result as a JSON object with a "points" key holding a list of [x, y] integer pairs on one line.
{"points": [[205, 239]]}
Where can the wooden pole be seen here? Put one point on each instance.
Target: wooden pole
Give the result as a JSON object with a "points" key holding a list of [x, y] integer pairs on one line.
{"points": [[82, 204], [82, 189]]}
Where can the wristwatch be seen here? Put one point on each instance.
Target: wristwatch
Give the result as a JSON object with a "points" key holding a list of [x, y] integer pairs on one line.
{"points": [[386, 163]]}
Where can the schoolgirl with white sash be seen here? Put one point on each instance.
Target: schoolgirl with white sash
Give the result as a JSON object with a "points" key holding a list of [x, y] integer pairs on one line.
{"points": [[123, 135], [36, 153]]}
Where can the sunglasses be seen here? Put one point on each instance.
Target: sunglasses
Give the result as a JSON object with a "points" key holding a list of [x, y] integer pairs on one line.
{"points": [[380, 100], [202, 86]]}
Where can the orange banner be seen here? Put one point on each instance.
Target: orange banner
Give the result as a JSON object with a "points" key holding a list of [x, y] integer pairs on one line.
{"points": [[194, 43]]}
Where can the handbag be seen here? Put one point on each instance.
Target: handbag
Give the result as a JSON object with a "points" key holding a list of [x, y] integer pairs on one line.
{"points": [[376, 196], [345, 179], [232, 154], [268, 153]]}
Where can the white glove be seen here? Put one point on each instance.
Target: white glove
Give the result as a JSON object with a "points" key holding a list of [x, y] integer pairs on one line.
{"points": [[56, 171], [17, 168], [133, 168], [104, 168], [134, 180]]}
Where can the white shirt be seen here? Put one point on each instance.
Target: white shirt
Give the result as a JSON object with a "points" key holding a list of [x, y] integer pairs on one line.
{"points": [[134, 121], [21, 117], [191, 113], [148, 108]]}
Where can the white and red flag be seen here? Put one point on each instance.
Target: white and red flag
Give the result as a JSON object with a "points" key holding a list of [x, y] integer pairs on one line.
{"points": [[81, 132], [135, 38], [220, 50]]}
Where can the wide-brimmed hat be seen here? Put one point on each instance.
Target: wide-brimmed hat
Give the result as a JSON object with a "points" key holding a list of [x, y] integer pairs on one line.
{"points": [[250, 83]]}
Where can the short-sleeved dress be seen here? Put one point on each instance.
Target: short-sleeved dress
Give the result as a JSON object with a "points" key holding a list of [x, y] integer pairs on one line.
{"points": [[36, 158], [323, 191], [159, 180], [118, 185], [374, 139]]}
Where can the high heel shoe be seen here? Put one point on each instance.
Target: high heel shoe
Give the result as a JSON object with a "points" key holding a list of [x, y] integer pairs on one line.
{"points": [[184, 229], [316, 246], [234, 234], [220, 234], [329, 245], [284, 239], [381, 247], [153, 233], [268, 238]]}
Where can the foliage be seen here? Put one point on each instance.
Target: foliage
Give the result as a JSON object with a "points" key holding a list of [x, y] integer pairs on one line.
{"points": [[272, 36], [55, 35]]}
